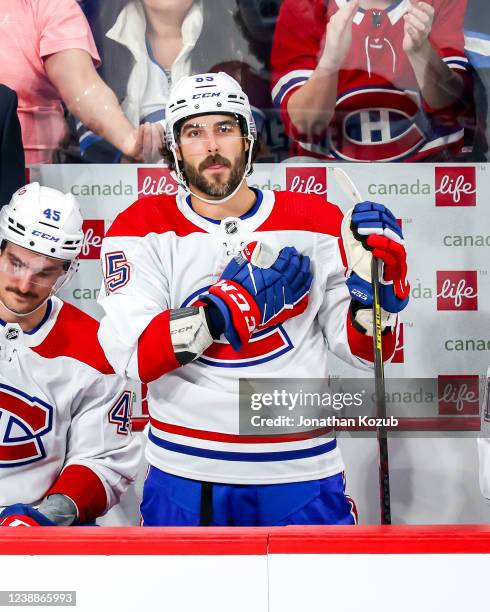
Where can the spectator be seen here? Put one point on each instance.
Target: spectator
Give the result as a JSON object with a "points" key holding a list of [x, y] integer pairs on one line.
{"points": [[48, 56], [12, 164], [372, 80], [150, 44], [477, 48]]}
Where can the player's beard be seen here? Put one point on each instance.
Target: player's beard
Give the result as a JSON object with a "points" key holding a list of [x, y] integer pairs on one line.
{"points": [[217, 187]]}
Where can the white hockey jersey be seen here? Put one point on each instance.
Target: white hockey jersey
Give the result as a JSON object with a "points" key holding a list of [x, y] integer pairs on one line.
{"points": [[160, 254], [64, 415]]}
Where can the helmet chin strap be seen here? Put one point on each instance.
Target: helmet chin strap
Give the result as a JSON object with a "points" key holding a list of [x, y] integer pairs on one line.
{"points": [[179, 177], [25, 314]]}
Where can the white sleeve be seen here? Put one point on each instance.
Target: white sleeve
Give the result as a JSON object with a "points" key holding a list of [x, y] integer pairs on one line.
{"points": [[135, 299], [102, 455], [333, 318]]}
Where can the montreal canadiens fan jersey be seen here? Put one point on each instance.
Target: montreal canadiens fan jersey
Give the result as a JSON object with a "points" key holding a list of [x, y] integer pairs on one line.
{"points": [[64, 415], [379, 114], [159, 254]]}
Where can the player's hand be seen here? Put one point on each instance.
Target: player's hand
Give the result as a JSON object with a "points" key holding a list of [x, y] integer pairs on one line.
{"points": [[249, 297], [338, 37], [23, 515], [418, 25], [371, 229]]}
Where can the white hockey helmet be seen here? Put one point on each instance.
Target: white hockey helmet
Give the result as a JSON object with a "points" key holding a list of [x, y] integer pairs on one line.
{"points": [[201, 94], [48, 223], [43, 220], [208, 93]]}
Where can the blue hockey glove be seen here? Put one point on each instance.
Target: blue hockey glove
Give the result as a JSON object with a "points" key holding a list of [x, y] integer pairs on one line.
{"points": [[371, 229], [23, 515], [248, 297]]}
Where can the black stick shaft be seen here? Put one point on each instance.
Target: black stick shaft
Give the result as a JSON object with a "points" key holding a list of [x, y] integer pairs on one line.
{"points": [[384, 476]]}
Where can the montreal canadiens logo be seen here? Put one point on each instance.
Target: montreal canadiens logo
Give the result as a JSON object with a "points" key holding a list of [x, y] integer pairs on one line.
{"points": [[264, 345], [366, 132], [24, 420]]}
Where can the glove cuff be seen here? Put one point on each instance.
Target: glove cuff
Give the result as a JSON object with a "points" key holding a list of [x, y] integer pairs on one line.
{"points": [[238, 308], [389, 300], [362, 292]]}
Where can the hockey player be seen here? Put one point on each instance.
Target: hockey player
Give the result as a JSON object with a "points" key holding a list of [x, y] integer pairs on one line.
{"points": [[190, 308], [372, 80], [66, 448]]}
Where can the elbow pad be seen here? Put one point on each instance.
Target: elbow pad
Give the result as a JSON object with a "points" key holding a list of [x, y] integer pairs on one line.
{"points": [[190, 333]]}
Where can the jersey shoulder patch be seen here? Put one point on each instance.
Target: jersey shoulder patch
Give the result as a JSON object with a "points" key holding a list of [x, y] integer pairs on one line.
{"points": [[75, 335], [303, 212], [152, 214]]}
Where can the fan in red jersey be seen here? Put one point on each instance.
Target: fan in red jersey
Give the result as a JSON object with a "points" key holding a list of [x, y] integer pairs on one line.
{"points": [[372, 80]]}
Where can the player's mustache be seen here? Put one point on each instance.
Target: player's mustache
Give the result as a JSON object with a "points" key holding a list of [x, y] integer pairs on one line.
{"points": [[213, 160], [27, 294]]}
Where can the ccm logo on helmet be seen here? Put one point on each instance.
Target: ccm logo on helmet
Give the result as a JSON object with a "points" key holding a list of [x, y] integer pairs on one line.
{"points": [[209, 94], [45, 236]]}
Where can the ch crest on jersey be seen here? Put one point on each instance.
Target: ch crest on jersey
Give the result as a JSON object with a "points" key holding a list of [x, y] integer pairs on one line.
{"points": [[376, 125], [264, 345], [24, 420]]}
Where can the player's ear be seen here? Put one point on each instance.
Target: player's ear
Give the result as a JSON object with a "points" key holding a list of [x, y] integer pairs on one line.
{"points": [[178, 153]]}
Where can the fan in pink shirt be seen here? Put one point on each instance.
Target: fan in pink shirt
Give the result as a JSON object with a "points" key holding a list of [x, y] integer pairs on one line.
{"points": [[48, 55]]}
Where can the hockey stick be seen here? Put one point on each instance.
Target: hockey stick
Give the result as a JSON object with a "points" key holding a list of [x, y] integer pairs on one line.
{"points": [[354, 196]]}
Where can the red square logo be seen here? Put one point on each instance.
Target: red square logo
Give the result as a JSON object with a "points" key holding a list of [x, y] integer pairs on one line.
{"points": [[399, 356], [457, 290], [93, 232], [458, 394], [307, 179], [156, 181], [455, 186]]}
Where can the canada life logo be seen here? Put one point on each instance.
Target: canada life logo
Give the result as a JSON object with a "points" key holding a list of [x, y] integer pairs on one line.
{"points": [[93, 234], [457, 290], [455, 186], [307, 179], [156, 181], [458, 395]]}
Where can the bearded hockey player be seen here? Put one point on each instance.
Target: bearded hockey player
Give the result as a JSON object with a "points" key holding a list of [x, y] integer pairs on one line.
{"points": [[372, 80], [191, 305], [66, 449]]}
